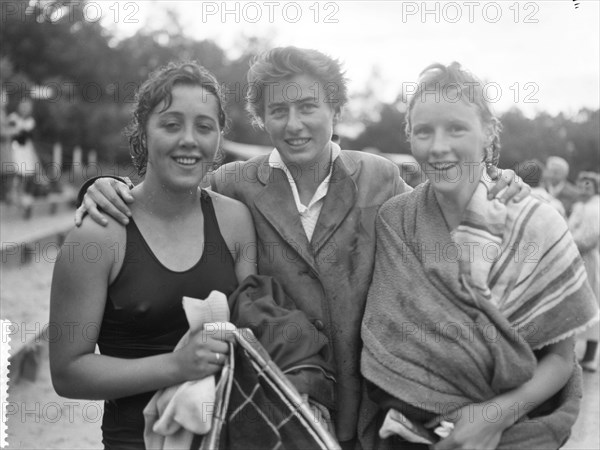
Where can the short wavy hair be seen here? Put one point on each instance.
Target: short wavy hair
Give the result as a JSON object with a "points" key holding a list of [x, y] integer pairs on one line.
{"points": [[440, 78], [282, 63], [158, 88]]}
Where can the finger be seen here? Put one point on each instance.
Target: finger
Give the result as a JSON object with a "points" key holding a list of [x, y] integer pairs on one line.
{"points": [[93, 212], [511, 191], [124, 193], [128, 182], [523, 193], [223, 331], [111, 191], [220, 358], [500, 183], [493, 172], [79, 214], [96, 198], [217, 346]]}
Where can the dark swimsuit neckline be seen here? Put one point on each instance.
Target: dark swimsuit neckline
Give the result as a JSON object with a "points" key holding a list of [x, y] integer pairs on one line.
{"points": [[203, 199]]}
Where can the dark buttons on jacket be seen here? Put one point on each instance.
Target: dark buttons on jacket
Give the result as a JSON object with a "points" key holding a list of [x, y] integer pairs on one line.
{"points": [[319, 325]]}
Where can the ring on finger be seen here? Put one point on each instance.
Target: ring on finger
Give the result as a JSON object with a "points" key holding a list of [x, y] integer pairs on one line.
{"points": [[218, 356]]}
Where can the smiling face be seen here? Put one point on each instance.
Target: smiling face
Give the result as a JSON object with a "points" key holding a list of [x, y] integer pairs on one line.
{"points": [[299, 120], [448, 141], [182, 140]]}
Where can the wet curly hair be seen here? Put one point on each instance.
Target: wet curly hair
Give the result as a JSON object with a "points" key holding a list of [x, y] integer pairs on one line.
{"points": [[158, 88]]}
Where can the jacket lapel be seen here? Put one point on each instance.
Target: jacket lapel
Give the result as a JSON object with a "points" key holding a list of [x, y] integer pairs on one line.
{"points": [[276, 204], [340, 198]]}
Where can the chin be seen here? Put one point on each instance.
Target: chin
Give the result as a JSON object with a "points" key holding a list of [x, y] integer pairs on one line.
{"points": [[446, 187]]}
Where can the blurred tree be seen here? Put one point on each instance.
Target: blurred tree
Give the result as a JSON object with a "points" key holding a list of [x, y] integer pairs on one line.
{"points": [[88, 80], [386, 134]]}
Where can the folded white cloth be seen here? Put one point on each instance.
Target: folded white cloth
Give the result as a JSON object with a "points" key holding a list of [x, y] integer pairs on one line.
{"points": [[175, 414]]}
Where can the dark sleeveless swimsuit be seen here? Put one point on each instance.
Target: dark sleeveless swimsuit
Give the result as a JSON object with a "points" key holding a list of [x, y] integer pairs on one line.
{"points": [[144, 315]]}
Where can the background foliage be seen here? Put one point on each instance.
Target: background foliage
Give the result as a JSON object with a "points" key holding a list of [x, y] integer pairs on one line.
{"points": [[94, 77]]}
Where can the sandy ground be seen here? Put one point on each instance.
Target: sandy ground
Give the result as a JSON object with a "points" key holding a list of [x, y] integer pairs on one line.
{"points": [[36, 416], [39, 418]]}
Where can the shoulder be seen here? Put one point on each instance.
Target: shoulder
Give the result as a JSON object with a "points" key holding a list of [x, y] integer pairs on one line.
{"points": [[375, 176], [93, 243], [590, 210], [224, 172], [227, 208], [234, 219], [90, 231], [540, 219], [368, 160], [402, 201], [232, 178]]}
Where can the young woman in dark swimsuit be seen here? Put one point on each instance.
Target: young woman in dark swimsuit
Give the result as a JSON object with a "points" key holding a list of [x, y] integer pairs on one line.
{"points": [[121, 287]]}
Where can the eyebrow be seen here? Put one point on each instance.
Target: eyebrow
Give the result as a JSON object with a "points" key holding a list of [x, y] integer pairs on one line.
{"points": [[180, 114], [311, 98]]}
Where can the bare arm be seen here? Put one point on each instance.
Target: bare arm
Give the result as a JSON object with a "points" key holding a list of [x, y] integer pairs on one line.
{"points": [[78, 299], [473, 431]]}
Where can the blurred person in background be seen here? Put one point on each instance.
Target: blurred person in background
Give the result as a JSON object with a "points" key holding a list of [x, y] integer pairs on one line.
{"points": [[24, 156], [584, 223], [6, 160], [531, 172], [554, 180]]}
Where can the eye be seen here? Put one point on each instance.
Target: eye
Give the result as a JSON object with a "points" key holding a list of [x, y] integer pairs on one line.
{"points": [[457, 128], [205, 127], [277, 111], [171, 125], [308, 107], [421, 132]]}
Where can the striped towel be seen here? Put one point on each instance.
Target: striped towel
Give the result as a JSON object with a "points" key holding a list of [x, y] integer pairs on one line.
{"points": [[523, 260], [454, 319]]}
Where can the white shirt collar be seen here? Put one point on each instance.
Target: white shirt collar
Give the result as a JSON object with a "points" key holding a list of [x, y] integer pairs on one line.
{"points": [[275, 161]]}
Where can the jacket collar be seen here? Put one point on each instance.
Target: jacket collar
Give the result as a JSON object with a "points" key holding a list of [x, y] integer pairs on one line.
{"points": [[276, 204]]}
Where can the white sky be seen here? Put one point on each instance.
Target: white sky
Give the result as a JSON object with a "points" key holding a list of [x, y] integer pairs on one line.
{"points": [[550, 48]]}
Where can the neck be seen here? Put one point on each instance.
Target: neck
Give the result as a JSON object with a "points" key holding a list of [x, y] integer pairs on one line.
{"points": [[454, 204], [163, 203], [309, 176]]}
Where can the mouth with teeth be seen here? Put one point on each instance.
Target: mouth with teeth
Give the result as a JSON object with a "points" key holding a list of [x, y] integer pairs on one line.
{"points": [[186, 160], [297, 142], [443, 165]]}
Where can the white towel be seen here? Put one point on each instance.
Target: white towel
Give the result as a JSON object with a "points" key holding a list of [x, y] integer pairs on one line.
{"points": [[175, 414]]}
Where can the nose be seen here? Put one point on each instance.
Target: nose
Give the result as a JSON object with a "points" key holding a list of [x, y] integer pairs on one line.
{"points": [[188, 137], [440, 144], [294, 123]]}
